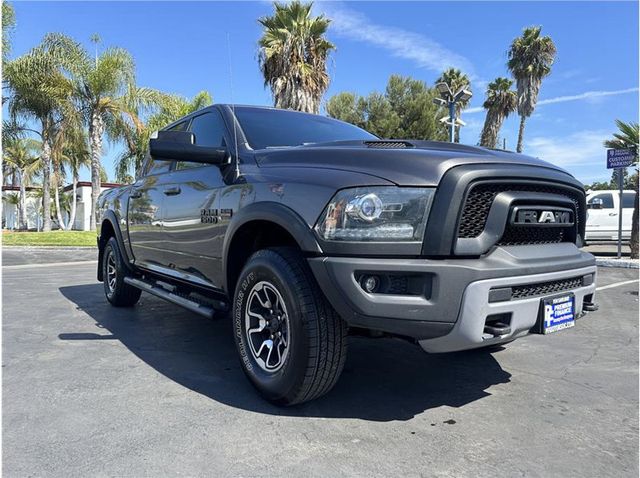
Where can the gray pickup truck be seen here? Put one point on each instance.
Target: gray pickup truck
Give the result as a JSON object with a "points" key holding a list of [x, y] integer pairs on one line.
{"points": [[303, 230]]}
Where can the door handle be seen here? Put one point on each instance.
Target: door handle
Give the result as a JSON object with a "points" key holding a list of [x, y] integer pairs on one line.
{"points": [[613, 214], [172, 191]]}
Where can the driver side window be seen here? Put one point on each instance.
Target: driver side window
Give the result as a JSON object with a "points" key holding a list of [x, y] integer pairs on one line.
{"points": [[606, 198], [209, 130]]}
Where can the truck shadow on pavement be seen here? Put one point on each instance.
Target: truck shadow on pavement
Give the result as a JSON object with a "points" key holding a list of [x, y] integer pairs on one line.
{"points": [[383, 380]]}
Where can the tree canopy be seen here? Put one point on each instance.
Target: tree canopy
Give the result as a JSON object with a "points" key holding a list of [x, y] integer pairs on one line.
{"points": [[404, 110], [293, 56]]}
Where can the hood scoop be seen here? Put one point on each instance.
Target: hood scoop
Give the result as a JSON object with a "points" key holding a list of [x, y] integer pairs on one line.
{"points": [[388, 144]]}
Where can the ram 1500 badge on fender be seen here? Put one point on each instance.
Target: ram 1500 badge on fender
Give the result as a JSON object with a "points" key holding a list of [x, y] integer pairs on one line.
{"points": [[301, 228]]}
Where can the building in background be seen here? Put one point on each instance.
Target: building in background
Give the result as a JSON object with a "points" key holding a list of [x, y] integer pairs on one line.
{"points": [[10, 210], [34, 206]]}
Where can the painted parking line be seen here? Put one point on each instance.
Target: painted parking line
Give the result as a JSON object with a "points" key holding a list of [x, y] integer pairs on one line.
{"points": [[617, 284], [49, 264]]}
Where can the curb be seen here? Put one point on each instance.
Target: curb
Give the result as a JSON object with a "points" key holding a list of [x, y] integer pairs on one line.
{"points": [[50, 247], [618, 263]]}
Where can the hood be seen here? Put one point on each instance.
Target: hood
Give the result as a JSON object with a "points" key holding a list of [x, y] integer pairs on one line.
{"points": [[405, 163]]}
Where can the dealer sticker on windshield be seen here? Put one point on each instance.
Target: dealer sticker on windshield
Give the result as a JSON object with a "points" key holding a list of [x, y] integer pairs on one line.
{"points": [[559, 313]]}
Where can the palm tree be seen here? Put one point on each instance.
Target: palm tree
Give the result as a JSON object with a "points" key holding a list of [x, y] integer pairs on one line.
{"points": [[500, 102], [78, 156], [455, 79], [100, 85], [69, 149], [8, 26], [135, 134], [21, 154], [628, 137], [40, 92], [293, 56], [530, 59]]}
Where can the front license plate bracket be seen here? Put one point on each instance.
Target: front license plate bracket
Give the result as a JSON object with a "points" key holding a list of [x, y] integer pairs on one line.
{"points": [[556, 313]]}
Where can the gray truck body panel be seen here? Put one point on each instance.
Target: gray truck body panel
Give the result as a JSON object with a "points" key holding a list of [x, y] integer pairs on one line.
{"points": [[180, 224]]}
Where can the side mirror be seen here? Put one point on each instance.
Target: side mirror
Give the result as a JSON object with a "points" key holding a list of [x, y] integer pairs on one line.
{"points": [[596, 203], [179, 146]]}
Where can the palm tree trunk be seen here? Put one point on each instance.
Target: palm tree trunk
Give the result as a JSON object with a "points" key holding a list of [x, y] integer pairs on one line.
{"points": [[634, 228], [56, 195], [72, 217], [96, 129], [521, 133], [46, 180], [58, 211], [23, 203], [492, 124]]}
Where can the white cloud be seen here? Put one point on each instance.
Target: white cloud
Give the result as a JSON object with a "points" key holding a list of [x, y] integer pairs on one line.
{"points": [[581, 153], [586, 96], [589, 96], [421, 50]]}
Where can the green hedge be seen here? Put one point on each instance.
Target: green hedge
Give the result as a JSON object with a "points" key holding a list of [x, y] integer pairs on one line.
{"points": [[53, 238]]}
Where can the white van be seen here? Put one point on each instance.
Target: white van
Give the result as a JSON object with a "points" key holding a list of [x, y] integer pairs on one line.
{"points": [[602, 215]]}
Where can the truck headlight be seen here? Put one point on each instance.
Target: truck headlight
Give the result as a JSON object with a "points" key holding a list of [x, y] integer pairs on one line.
{"points": [[381, 213]]}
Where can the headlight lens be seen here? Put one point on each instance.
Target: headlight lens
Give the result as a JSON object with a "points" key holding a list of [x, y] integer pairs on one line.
{"points": [[382, 214]]}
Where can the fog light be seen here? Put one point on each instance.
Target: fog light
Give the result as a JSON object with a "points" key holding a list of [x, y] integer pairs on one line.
{"points": [[370, 284]]}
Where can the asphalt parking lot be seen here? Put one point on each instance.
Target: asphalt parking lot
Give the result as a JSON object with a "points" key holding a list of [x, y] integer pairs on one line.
{"points": [[89, 390]]}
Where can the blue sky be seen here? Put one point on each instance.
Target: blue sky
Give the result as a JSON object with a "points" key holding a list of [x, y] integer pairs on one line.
{"points": [[181, 47]]}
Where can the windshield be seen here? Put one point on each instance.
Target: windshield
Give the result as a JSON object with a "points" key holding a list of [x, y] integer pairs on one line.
{"points": [[271, 128]]}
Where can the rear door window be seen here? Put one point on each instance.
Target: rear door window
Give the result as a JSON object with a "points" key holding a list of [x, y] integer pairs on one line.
{"points": [[627, 200]]}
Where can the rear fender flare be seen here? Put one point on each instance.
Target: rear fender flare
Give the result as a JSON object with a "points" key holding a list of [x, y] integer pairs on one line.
{"points": [[110, 216]]}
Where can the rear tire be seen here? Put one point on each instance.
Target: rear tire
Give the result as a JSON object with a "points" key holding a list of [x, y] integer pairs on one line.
{"points": [[292, 344], [114, 270]]}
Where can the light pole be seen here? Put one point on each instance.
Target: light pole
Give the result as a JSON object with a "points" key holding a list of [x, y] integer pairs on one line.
{"points": [[450, 99]]}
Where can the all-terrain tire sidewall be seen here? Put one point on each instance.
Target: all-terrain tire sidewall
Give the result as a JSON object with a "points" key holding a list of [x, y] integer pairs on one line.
{"points": [[123, 294], [283, 385]]}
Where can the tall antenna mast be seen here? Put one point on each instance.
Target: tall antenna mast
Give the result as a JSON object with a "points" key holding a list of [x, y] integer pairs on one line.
{"points": [[233, 110]]}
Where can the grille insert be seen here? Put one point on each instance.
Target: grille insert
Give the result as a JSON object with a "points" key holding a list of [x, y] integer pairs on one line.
{"points": [[545, 288], [514, 236], [478, 203]]}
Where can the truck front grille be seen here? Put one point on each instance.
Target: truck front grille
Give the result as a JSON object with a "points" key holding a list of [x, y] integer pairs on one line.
{"points": [[545, 288], [478, 202], [514, 236]]}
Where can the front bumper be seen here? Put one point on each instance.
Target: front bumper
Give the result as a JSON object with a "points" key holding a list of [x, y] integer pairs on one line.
{"points": [[450, 312], [468, 331]]}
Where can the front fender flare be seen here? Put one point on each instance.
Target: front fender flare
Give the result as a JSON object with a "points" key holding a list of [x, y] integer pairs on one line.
{"points": [[276, 213]]}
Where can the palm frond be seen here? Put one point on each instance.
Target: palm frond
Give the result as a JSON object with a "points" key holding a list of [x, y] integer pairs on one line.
{"points": [[293, 56]]}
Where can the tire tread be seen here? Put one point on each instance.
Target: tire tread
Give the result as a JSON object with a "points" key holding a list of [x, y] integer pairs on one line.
{"points": [[326, 330]]}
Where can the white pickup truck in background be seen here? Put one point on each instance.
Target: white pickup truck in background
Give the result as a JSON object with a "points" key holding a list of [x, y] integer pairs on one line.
{"points": [[603, 208]]}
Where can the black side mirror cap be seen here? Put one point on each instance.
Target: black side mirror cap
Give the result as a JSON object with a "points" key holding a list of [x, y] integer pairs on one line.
{"points": [[179, 146]]}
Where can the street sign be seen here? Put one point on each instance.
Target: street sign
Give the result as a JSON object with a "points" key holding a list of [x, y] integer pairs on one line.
{"points": [[620, 158]]}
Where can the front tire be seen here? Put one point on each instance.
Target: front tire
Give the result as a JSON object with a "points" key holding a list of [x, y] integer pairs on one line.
{"points": [[118, 292], [292, 344]]}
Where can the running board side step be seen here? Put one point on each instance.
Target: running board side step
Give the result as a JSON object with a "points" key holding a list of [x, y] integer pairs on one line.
{"points": [[159, 291]]}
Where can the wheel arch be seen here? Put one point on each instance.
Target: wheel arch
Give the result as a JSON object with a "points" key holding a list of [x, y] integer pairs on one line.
{"points": [[262, 225], [109, 227]]}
